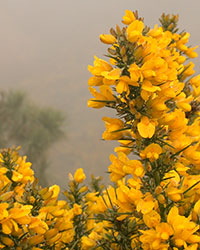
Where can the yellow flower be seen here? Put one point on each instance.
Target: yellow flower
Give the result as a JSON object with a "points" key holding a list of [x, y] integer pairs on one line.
{"points": [[183, 228], [148, 86], [107, 38], [3, 210], [121, 87], [180, 44], [146, 127], [191, 247], [174, 193], [152, 218], [7, 241], [77, 209], [8, 226], [23, 172], [183, 103], [195, 81], [116, 168], [51, 233], [151, 152], [21, 213], [79, 175], [125, 146], [172, 178], [135, 73], [36, 239], [56, 190], [129, 17], [87, 243], [16, 177], [151, 240], [112, 75], [188, 70], [112, 127], [67, 236], [124, 201], [95, 81], [134, 167], [197, 207], [156, 31], [181, 169], [6, 196], [158, 104], [146, 204], [134, 30], [191, 53], [99, 67], [38, 226], [55, 239], [165, 230], [123, 84], [104, 95]]}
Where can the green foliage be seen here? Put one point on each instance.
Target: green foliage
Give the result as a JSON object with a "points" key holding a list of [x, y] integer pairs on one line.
{"points": [[35, 128]]}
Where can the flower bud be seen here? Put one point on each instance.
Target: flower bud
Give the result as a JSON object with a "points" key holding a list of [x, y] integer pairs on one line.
{"points": [[79, 175], [107, 38]]}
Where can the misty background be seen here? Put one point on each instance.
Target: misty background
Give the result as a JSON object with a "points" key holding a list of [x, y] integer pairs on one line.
{"points": [[45, 48]]}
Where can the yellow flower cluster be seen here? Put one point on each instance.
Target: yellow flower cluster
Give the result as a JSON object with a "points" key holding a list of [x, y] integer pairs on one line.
{"points": [[30, 217], [154, 202]]}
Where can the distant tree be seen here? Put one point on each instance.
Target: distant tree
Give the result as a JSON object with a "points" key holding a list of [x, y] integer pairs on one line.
{"points": [[34, 128]]}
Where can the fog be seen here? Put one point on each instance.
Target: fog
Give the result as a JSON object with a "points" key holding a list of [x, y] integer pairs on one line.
{"points": [[45, 48]]}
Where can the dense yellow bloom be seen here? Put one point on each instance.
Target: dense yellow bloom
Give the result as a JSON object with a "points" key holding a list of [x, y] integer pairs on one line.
{"points": [[183, 228], [158, 121], [151, 239], [153, 202]]}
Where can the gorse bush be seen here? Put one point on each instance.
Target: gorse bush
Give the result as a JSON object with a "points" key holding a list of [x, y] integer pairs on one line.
{"points": [[154, 199]]}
